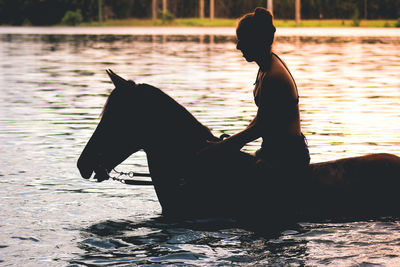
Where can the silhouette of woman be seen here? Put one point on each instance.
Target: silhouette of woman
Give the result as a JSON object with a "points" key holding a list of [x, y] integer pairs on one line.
{"points": [[277, 121]]}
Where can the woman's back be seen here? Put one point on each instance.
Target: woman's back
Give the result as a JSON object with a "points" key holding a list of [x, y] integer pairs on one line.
{"points": [[276, 95]]}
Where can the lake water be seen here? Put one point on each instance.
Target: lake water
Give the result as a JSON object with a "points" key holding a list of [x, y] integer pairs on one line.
{"points": [[52, 89]]}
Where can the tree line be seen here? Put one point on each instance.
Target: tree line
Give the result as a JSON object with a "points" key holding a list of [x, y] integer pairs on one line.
{"points": [[49, 12]]}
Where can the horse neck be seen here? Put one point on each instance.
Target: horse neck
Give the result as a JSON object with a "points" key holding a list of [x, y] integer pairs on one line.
{"points": [[182, 136], [172, 140], [172, 130]]}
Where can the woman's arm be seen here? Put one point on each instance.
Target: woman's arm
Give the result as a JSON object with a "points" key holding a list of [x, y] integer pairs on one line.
{"points": [[238, 140], [234, 142], [271, 115], [270, 118]]}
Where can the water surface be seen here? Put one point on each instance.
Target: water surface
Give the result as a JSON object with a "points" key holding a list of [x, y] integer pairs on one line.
{"points": [[53, 86]]}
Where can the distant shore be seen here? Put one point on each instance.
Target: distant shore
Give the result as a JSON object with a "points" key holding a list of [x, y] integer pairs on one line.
{"points": [[196, 22], [341, 32], [220, 22]]}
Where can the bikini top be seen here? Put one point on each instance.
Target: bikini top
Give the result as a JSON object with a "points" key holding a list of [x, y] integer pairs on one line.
{"points": [[256, 92]]}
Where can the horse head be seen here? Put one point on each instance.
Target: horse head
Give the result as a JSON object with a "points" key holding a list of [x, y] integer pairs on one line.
{"points": [[117, 135], [140, 116]]}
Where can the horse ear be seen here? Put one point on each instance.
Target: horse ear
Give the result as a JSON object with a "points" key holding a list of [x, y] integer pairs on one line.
{"points": [[117, 80]]}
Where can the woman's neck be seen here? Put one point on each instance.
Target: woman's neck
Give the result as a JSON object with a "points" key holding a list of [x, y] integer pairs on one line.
{"points": [[264, 60]]}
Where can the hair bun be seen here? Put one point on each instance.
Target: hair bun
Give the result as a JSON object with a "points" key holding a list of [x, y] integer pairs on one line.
{"points": [[258, 24], [261, 12], [264, 17]]}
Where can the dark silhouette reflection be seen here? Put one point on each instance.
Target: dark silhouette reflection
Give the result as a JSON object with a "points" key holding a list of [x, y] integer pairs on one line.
{"points": [[161, 241]]}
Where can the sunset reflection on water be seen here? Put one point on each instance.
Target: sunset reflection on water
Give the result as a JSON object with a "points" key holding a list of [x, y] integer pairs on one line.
{"points": [[53, 86]]}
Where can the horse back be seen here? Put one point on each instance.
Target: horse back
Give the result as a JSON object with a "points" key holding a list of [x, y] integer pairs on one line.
{"points": [[357, 169], [358, 186]]}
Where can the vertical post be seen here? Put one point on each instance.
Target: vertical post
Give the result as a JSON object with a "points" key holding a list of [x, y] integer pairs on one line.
{"points": [[154, 9], [100, 2], [298, 11], [365, 9], [164, 6], [201, 9], [212, 10], [270, 6]]}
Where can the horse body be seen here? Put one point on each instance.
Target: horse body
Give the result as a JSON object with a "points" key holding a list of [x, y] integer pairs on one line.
{"points": [[361, 186], [187, 186]]}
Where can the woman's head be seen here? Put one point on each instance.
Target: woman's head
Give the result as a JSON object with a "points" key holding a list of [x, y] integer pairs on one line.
{"points": [[255, 33]]}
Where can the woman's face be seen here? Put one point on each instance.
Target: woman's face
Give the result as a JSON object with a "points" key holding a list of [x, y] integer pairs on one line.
{"points": [[249, 46]]}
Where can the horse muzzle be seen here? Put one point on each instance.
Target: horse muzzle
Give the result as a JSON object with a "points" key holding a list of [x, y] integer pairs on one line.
{"points": [[85, 167]]}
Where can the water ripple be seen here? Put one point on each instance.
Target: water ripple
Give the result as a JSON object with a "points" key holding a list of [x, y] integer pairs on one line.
{"points": [[53, 87]]}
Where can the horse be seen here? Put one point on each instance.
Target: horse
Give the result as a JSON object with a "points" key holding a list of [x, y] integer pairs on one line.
{"points": [[143, 117]]}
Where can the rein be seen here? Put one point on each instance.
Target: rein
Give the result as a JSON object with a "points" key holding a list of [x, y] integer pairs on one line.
{"points": [[130, 174]]}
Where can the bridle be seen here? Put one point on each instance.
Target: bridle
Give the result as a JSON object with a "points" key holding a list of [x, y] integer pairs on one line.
{"points": [[130, 174], [119, 174]]}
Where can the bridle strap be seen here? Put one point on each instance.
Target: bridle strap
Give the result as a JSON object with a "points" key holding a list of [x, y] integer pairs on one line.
{"points": [[131, 174]]}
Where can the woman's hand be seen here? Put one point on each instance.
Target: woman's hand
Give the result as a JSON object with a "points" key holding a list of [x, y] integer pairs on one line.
{"points": [[215, 148], [212, 148]]}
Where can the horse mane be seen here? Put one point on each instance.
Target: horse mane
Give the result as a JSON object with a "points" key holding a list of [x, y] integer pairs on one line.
{"points": [[106, 105], [170, 106], [154, 97]]}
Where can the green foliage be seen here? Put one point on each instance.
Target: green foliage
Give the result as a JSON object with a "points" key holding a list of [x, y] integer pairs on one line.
{"points": [[11, 12], [72, 18], [185, 22], [44, 12], [26, 22], [167, 17], [398, 23], [47, 12], [356, 18]]}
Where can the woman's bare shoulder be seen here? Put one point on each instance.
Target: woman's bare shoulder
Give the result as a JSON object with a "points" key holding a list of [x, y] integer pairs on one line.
{"points": [[280, 78], [278, 69]]}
